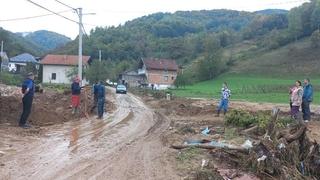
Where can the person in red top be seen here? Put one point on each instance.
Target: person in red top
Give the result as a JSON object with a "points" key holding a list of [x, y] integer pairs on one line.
{"points": [[75, 97]]}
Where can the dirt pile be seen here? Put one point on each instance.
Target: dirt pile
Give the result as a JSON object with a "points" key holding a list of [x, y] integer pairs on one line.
{"points": [[48, 108], [186, 107]]}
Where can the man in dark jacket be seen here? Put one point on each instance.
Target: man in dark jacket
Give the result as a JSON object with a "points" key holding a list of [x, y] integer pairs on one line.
{"points": [[101, 99], [95, 96], [306, 100], [28, 92]]}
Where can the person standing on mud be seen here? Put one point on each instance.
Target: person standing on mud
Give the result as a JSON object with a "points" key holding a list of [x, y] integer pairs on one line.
{"points": [[101, 99], [224, 102], [296, 99], [95, 96], [75, 97], [28, 93], [306, 100]]}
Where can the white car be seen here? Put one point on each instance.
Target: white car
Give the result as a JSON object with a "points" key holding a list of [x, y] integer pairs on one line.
{"points": [[121, 89]]}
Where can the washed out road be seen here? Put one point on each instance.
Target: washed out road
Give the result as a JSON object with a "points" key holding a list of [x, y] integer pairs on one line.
{"points": [[126, 144]]}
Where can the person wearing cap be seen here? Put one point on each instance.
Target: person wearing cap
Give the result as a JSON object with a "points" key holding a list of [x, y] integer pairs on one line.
{"points": [[75, 98], [28, 93]]}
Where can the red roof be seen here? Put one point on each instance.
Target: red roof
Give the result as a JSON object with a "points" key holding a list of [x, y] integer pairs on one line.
{"points": [[160, 64], [67, 60]]}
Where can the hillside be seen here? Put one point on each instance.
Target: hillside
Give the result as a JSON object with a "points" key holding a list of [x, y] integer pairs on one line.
{"points": [[15, 44], [47, 40], [181, 35], [293, 60]]}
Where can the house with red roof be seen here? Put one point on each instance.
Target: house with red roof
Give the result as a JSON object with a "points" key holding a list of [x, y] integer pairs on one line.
{"points": [[57, 67], [159, 73]]}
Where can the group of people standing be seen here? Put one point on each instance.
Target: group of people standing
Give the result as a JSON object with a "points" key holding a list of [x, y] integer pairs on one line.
{"points": [[99, 92], [301, 96], [28, 89]]}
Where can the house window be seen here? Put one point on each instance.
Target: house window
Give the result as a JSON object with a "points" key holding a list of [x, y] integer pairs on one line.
{"points": [[166, 78], [172, 78], [53, 76]]}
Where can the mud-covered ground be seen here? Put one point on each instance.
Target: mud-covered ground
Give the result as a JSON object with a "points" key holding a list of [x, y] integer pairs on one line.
{"points": [[133, 141], [126, 144], [190, 116]]}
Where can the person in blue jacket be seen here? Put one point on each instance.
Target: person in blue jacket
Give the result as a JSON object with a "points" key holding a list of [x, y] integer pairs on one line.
{"points": [[28, 93], [306, 100], [95, 96], [101, 92]]}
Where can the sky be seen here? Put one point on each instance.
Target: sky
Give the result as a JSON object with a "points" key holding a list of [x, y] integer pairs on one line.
{"points": [[106, 13]]}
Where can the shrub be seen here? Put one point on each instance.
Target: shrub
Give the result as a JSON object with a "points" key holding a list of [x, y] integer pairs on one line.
{"points": [[243, 118], [10, 79]]}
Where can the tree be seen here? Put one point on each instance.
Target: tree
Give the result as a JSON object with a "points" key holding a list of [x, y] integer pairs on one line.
{"points": [[182, 80], [295, 23], [97, 71], [315, 39]]}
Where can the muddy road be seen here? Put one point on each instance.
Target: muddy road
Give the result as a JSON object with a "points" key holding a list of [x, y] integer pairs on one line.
{"points": [[126, 144]]}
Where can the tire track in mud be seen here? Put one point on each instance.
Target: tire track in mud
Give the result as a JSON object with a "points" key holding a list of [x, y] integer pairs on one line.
{"points": [[125, 145]]}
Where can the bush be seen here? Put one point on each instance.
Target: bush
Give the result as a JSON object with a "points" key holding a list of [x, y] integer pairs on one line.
{"points": [[10, 79], [57, 87], [243, 118]]}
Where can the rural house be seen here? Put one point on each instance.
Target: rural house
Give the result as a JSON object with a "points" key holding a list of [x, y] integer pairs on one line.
{"points": [[17, 63], [132, 79], [159, 73], [57, 67]]}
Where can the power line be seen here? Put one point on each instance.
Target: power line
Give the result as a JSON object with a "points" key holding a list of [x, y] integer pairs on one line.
{"points": [[66, 5], [32, 17], [52, 11], [82, 27]]}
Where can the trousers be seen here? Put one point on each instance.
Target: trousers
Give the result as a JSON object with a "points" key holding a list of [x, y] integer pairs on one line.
{"points": [[27, 105]]}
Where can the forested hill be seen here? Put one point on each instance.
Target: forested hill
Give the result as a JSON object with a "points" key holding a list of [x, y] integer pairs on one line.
{"points": [[37, 43], [182, 35], [204, 42], [15, 44], [47, 40]]}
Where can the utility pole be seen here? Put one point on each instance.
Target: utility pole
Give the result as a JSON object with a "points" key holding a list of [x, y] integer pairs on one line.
{"points": [[1, 55], [80, 45], [1, 47], [100, 55]]}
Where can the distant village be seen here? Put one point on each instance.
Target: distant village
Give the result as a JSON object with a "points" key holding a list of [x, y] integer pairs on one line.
{"points": [[152, 72]]}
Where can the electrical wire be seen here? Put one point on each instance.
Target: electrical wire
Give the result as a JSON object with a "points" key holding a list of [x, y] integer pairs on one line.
{"points": [[52, 11], [66, 5], [31, 17], [82, 27]]}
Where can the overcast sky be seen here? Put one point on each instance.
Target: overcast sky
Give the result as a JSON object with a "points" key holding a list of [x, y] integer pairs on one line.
{"points": [[114, 12]]}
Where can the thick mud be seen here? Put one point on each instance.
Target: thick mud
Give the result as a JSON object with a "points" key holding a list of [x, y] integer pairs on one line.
{"points": [[126, 144]]}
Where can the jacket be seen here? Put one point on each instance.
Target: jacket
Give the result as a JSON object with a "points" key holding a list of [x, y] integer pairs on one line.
{"points": [[307, 93], [75, 88], [296, 96], [28, 84]]}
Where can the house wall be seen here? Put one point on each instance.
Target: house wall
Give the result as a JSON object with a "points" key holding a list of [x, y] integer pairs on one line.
{"points": [[161, 77], [133, 80], [61, 74]]}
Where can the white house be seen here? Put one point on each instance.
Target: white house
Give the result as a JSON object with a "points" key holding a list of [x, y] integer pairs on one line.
{"points": [[56, 67]]}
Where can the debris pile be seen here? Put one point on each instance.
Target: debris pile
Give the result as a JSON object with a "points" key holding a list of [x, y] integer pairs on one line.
{"points": [[279, 154]]}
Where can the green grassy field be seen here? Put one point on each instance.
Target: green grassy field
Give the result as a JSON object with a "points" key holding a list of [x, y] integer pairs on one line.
{"points": [[247, 88]]}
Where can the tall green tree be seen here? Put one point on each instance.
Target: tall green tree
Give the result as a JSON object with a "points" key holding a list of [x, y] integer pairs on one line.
{"points": [[97, 71]]}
